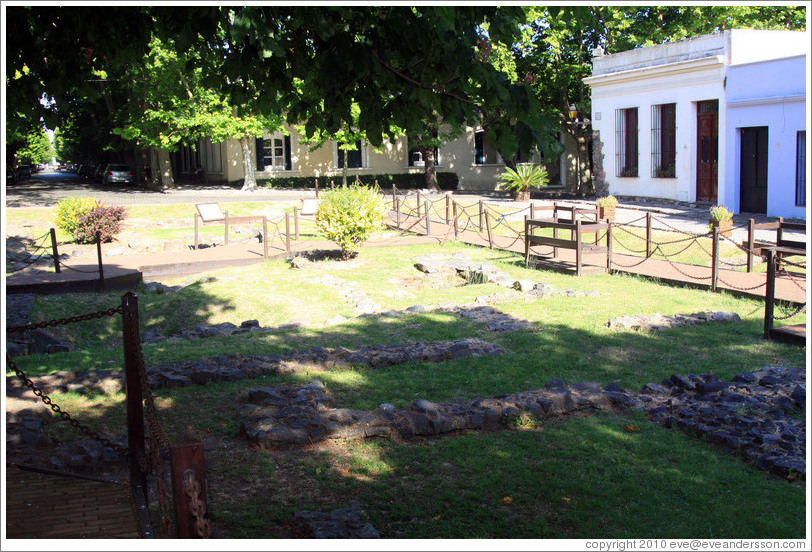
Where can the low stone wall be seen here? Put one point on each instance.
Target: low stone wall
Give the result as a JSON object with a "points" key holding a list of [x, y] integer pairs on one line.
{"points": [[660, 322], [751, 415]]}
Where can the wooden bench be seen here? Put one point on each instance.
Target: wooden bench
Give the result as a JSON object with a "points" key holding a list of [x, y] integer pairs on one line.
{"points": [[577, 230], [212, 213], [787, 247]]}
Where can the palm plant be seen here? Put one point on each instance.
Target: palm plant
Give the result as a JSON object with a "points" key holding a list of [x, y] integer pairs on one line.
{"points": [[524, 177]]}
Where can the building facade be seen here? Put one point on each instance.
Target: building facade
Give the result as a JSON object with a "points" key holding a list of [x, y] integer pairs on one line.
{"points": [[284, 154], [719, 119]]}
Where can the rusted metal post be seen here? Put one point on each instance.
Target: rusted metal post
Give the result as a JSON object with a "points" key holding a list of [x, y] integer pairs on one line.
{"points": [[225, 241], [55, 254], [189, 491], [769, 293], [264, 237], [428, 227], [196, 224], [609, 246], [134, 392], [648, 235], [296, 224], [751, 233], [99, 255], [456, 220], [287, 233], [715, 258], [488, 226]]}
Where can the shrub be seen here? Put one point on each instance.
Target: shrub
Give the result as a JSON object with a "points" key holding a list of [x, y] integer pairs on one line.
{"points": [[68, 211], [349, 215], [104, 219], [609, 201], [524, 177], [719, 213], [403, 181]]}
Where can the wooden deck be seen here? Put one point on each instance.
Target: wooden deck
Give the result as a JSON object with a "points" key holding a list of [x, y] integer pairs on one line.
{"points": [[49, 505]]}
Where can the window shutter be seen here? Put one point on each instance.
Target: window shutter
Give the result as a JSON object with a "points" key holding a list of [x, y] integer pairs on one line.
{"points": [[288, 163], [260, 154]]}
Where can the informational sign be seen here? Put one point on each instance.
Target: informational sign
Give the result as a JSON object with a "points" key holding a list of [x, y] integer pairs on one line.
{"points": [[309, 206], [210, 212]]}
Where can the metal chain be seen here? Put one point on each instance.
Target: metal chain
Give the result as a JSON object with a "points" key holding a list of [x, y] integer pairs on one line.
{"points": [[196, 506], [63, 321], [731, 286], [120, 450], [797, 311]]}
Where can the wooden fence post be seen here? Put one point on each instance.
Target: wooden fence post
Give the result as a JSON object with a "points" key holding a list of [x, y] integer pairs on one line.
{"points": [[751, 239], [532, 210], [428, 228], [189, 491], [317, 188], [226, 236], [456, 224], [418, 203], [264, 237], [296, 224], [287, 233], [447, 208], [196, 224], [99, 255], [481, 211], [55, 253], [397, 211], [394, 197], [715, 259], [134, 392], [648, 234], [769, 293], [488, 226]]}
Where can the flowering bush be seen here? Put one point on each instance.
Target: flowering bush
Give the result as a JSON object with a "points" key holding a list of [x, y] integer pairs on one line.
{"points": [[68, 211], [104, 219], [349, 215]]}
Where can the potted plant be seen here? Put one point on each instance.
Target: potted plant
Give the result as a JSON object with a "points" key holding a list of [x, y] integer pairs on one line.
{"points": [[721, 218], [520, 181], [606, 207]]}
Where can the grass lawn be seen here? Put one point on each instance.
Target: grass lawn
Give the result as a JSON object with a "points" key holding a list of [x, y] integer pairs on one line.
{"points": [[578, 477]]}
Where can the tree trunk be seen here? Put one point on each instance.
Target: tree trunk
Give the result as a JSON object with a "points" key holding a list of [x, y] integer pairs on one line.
{"points": [[431, 168], [250, 182], [508, 161], [344, 170], [165, 169], [154, 170]]}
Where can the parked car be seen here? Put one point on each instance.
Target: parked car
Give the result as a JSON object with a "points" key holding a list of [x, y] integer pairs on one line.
{"points": [[87, 171], [115, 174], [23, 172], [11, 175]]}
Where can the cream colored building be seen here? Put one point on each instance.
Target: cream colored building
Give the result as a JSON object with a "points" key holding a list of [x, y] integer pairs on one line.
{"points": [[285, 155]]}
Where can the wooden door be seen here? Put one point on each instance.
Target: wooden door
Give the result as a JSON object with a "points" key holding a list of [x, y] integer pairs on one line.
{"points": [[707, 150], [753, 173]]}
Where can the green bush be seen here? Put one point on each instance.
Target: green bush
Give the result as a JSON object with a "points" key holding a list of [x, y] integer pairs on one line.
{"points": [[104, 219], [403, 181], [68, 211], [349, 215]]}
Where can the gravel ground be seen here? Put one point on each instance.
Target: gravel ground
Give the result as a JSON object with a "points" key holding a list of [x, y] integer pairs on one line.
{"points": [[47, 188]]}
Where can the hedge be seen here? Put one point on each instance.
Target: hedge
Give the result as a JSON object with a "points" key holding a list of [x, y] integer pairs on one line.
{"points": [[403, 181]]}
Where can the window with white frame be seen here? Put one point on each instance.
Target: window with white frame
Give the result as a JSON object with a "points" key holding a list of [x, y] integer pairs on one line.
{"points": [[626, 150], [484, 154], [354, 157], [273, 153], [664, 140], [800, 169]]}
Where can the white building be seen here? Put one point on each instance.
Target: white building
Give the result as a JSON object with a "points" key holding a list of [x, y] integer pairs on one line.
{"points": [[719, 118]]}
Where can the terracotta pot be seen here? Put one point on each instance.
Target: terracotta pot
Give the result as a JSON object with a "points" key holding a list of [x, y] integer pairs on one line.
{"points": [[725, 227], [521, 195], [606, 213]]}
